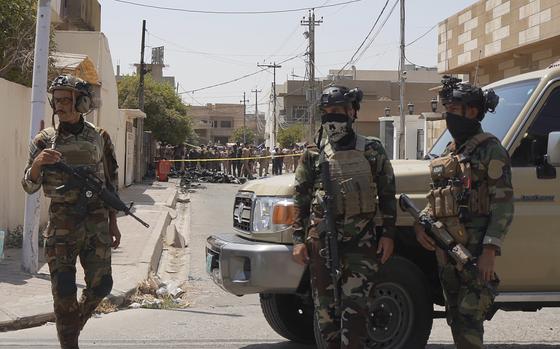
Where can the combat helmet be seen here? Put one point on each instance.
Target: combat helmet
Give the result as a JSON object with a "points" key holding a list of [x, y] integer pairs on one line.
{"points": [[341, 95], [82, 88], [454, 90]]}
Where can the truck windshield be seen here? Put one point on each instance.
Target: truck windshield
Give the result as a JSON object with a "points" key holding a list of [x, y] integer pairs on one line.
{"points": [[512, 99]]}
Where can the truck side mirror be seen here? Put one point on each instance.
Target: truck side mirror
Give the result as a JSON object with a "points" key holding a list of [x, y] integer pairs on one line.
{"points": [[553, 149]]}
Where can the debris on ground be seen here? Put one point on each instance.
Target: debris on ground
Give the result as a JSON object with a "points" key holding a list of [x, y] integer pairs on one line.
{"points": [[106, 307], [152, 293], [191, 178]]}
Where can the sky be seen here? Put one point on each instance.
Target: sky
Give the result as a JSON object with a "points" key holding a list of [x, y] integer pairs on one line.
{"points": [[206, 49]]}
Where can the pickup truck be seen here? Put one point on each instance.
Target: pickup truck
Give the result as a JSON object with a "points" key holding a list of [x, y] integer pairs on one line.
{"points": [[256, 256]]}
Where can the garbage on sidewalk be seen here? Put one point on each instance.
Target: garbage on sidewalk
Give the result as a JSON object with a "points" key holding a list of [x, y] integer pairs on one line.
{"points": [[152, 293]]}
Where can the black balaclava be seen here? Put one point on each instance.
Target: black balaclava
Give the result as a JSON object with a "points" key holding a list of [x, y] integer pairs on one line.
{"points": [[461, 128]]}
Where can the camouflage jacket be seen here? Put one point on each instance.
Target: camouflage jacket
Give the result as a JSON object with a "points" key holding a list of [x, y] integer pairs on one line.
{"points": [[490, 163], [44, 139], [308, 177]]}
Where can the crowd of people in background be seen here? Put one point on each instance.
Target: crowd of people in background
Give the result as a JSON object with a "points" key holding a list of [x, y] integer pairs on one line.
{"points": [[236, 159]]}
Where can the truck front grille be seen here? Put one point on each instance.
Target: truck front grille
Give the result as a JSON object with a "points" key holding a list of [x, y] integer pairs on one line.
{"points": [[242, 211]]}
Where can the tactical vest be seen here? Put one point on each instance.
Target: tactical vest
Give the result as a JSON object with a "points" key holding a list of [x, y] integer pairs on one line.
{"points": [[82, 150], [353, 181], [455, 197]]}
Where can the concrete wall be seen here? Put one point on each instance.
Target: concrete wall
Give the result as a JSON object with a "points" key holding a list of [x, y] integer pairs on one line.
{"points": [[15, 100], [96, 47]]}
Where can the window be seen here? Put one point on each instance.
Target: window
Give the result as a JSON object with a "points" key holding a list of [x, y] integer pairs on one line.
{"points": [[299, 114], [225, 124], [533, 147], [512, 99], [214, 123]]}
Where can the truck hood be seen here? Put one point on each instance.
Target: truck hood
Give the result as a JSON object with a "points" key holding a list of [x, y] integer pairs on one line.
{"points": [[412, 176]]}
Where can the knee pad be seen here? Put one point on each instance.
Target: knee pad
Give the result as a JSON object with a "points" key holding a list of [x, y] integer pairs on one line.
{"points": [[104, 286], [66, 283]]}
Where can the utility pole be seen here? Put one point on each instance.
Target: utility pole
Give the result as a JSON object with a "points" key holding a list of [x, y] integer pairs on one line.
{"points": [[311, 23], [30, 253], [402, 80], [256, 92], [244, 101], [139, 144], [274, 66]]}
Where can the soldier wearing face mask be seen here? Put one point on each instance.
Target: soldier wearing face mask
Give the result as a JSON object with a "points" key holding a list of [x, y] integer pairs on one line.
{"points": [[363, 181], [472, 196]]}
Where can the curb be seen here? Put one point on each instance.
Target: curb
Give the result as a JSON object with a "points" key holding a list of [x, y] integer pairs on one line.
{"points": [[148, 260], [172, 201], [27, 322]]}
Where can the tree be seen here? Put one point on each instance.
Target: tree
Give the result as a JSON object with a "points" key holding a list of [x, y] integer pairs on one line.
{"points": [[166, 115], [237, 135], [288, 137], [17, 40]]}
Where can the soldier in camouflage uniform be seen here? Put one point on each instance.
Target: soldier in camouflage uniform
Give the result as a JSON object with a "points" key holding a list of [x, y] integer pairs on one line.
{"points": [[363, 178], [472, 195], [71, 233]]}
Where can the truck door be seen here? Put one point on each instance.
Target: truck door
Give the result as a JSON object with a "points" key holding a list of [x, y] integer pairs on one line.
{"points": [[530, 256]]}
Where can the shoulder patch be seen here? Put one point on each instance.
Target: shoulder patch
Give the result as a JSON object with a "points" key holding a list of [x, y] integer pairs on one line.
{"points": [[496, 169]]}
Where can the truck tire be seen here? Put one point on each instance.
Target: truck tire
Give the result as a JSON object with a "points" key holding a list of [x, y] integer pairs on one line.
{"points": [[289, 315], [400, 308]]}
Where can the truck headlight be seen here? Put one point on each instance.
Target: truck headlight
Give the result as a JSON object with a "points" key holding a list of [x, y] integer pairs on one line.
{"points": [[272, 214]]}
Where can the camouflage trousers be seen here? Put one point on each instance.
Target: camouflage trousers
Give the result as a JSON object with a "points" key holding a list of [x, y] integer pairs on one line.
{"points": [[358, 266], [66, 240], [468, 300]]}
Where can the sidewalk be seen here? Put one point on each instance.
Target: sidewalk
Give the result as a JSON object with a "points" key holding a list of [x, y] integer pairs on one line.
{"points": [[26, 300]]}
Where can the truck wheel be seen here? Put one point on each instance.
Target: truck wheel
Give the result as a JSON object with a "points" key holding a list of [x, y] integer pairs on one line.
{"points": [[400, 307], [290, 315]]}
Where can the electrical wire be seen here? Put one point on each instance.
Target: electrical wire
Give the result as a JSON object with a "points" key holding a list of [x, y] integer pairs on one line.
{"points": [[421, 36], [417, 65], [235, 12], [372, 39], [367, 36], [236, 79]]}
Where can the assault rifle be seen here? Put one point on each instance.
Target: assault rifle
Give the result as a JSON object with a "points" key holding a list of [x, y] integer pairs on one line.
{"points": [[438, 232], [89, 184], [330, 252]]}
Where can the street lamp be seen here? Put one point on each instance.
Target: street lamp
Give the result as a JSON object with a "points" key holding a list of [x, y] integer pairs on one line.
{"points": [[434, 104], [410, 108], [387, 111]]}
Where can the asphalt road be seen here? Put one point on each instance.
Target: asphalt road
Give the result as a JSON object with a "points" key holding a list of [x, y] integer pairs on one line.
{"points": [[216, 319]]}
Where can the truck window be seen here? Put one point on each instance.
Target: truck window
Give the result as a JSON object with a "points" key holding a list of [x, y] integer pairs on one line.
{"points": [[512, 99], [532, 149]]}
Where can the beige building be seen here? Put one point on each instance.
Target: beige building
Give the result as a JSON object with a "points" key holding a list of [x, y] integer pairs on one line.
{"points": [[502, 37], [215, 123], [381, 91]]}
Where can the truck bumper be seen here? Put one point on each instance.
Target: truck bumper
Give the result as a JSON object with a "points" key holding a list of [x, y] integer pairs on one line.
{"points": [[242, 266]]}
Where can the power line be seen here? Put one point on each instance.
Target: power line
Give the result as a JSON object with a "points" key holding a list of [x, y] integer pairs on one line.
{"points": [[189, 50], [421, 36], [234, 12], [372, 39], [367, 36], [236, 79], [418, 65]]}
